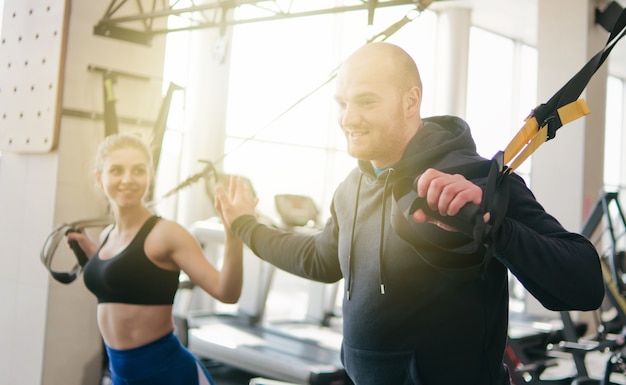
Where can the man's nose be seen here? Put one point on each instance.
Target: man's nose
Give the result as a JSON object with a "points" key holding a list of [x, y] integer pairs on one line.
{"points": [[350, 116]]}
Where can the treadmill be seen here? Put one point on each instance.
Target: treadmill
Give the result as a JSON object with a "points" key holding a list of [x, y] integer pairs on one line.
{"points": [[303, 351]]}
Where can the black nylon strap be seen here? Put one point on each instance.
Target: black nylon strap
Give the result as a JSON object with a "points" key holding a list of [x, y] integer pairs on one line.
{"points": [[547, 113], [495, 194]]}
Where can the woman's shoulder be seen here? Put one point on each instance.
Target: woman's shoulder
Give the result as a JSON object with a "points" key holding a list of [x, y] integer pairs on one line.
{"points": [[166, 225], [166, 237], [169, 230]]}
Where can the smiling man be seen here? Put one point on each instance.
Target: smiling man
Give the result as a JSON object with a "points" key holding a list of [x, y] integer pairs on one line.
{"points": [[418, 313]]}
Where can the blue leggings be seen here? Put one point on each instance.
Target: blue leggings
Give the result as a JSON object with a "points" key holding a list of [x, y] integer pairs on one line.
{"points": [[162, 362]]}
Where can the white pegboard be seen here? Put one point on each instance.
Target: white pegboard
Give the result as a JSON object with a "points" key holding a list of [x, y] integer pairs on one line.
{"points": [[32, 54]]}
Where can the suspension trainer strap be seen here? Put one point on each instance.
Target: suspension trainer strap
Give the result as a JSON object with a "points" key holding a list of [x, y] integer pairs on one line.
{"points": [[531, 136], [52, 242], [541, 125], [563, 107]]}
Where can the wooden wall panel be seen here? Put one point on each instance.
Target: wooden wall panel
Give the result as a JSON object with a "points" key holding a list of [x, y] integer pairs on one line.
{"points": [[32, 57]]}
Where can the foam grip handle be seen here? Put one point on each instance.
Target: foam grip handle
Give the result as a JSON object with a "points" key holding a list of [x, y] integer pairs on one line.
{"points": [[78, 252], [64, 278], [464, 221]]}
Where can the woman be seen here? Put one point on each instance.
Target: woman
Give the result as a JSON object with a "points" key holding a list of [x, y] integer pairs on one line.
{"points": [[134, 273]]}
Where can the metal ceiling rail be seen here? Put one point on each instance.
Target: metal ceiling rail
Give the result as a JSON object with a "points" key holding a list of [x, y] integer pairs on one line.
{"points": [[139, 21]]}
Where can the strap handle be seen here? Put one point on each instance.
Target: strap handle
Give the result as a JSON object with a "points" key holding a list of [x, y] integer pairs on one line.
{"points": [[469, 221], [51, 243], [473, 234]]}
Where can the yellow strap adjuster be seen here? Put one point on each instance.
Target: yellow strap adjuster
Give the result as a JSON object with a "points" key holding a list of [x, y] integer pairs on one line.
{"points": [[531, 136]]}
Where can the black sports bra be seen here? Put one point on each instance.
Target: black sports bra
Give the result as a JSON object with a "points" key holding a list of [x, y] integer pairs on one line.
{"points": [[130, 277]]}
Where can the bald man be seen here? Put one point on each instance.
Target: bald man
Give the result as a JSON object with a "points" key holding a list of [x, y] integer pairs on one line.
{"points": [[417, 313]]}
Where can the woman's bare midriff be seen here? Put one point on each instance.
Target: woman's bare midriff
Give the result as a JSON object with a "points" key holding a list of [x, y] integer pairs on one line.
{"points": [[127, 326]]}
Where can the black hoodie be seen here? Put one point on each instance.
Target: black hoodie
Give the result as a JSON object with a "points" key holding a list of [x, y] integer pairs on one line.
{"points": [[405, 319]]}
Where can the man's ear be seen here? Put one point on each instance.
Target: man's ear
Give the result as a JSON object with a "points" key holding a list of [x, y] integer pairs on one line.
{"points": [[413, 101]]}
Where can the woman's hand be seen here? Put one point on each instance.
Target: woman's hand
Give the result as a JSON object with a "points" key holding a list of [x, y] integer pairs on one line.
{"points": [[237, 202], [84, 242]]}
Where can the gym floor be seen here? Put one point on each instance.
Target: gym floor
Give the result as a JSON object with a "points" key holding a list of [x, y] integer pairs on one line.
{"points": [[596, 363], [596, 366], [226, 375]]}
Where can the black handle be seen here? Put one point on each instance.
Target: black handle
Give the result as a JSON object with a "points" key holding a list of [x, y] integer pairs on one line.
{"points": [[464, 221], [78, 252], [62, 277]]}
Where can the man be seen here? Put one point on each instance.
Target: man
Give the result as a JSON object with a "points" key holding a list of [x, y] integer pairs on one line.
{"points": [[410, 313]]}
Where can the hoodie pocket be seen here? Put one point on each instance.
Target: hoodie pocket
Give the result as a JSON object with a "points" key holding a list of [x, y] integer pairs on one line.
{"points": [[367, 367]]}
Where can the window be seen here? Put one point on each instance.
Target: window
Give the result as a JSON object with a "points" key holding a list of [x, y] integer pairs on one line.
{"points": [[501, 91], [289, 147]]}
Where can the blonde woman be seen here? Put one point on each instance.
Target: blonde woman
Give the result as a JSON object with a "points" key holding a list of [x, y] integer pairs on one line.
{"points": [[134, 269]]}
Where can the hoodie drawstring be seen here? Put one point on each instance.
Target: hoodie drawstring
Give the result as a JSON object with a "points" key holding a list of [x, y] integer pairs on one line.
{"points": [[352, 232], [381, 241], [382, 233]]}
